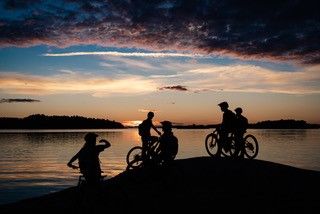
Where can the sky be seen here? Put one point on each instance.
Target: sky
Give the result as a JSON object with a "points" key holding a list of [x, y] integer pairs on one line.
{"points": [[118, 60]]}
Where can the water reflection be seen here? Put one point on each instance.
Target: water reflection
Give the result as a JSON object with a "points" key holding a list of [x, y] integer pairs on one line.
{"points": [[34, 163], [285, 135]]}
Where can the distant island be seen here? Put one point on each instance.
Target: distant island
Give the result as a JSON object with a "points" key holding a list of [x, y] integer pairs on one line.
{"points": [[41, 121], [268, 124]]}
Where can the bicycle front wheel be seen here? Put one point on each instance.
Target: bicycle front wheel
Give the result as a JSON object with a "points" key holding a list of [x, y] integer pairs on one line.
{"points": [[251, 146], [211, 144], [134, 157]]}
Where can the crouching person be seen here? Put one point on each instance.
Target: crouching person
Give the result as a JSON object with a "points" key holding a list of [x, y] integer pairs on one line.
{"points": [[168, 144]]}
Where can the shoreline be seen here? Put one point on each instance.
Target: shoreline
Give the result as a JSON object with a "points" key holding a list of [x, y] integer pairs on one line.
{"points": [[189, 184]]}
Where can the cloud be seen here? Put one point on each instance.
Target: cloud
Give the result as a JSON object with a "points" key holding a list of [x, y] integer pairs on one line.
{"points": [[279, 30], [188, 78], [125, 54], [175, 87], [73, 83], [18, 4], [250, 78], [67, 71], [120, 62], [147, 110], [18, 100]]}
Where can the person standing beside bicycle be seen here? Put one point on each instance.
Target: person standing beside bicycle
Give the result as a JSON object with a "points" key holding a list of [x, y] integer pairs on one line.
{"points": [[145, 132], [241, 126], [227, 125], [88, 158]]}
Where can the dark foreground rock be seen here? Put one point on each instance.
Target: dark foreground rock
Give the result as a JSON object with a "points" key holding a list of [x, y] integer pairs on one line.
{"points": [[191, 185]]}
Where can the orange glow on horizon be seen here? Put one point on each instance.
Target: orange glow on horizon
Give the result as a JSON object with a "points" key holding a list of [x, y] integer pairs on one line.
{"points": [[131, 122]]}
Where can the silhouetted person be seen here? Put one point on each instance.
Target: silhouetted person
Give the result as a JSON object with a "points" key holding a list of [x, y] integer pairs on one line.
{"points": [[168, 144], [227, 125], [145, 133], [241, 126], [88, 158]]}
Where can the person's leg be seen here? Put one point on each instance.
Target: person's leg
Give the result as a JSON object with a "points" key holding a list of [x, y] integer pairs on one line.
{"points": [[222, 137], [93, 179], [238, 149], [242, 145], [144, 148]]}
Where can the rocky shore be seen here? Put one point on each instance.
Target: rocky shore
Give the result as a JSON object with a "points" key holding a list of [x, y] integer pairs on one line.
{"points": [[200, 185]]}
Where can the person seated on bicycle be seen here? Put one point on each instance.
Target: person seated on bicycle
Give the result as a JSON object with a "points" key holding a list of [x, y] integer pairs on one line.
{"points": [[168, 144], [145, 133], [241, 126], [88, 158], [227, 124]]}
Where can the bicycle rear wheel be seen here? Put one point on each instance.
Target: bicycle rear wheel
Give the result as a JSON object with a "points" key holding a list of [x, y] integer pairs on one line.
{"points": [[251, 146], [229, 148], [211, 144], [134, 157]]}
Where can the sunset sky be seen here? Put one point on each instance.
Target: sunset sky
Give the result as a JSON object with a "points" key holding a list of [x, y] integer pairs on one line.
{"points": [[120, 59]]}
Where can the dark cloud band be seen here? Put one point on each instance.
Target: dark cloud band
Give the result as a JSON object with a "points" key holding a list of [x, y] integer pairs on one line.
{"points": [[17, 100], [176, 88], [282, 30]]}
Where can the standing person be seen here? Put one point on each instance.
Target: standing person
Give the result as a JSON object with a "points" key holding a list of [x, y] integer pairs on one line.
{"points": [[168, 144], [241, 126], [226, 126], [88, 158], [145, 133]]}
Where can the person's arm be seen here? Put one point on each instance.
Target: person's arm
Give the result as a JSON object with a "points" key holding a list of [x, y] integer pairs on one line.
{"points": [[72, 160], [159, 133], [100, 148]]}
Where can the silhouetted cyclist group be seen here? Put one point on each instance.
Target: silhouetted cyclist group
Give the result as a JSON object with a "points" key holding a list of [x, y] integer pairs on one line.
{"points": [[160, 150], [166, 149], [232, 123]]}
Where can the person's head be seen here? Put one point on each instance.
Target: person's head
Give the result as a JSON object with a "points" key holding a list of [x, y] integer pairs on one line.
{"points": [[166, 126], [223, 106], [90, 139], [150, 115], [238, 110]]}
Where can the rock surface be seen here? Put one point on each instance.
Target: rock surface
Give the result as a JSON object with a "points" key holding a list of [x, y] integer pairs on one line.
{"points": [[200, 185]]}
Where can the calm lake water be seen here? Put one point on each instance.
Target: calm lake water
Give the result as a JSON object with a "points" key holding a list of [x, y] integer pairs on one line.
{"points": [[33, 163]]}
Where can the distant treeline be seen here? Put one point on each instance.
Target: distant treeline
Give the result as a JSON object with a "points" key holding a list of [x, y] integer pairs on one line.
{"points": [[283, 124], [269, 124], [40, 121]]}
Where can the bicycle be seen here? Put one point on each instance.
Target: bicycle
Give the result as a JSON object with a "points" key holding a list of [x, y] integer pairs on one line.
{"points": [[135, 159], [82, 180], [212, 143], [251, 146]]}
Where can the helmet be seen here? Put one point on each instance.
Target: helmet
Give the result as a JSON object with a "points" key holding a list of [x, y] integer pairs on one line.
{"points": [[223, 104], [90, 136], [150, 114], [166, 124], [238, 110]]}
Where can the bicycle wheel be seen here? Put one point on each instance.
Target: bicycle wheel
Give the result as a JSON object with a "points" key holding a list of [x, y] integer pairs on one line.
{"points": [[251, 146], [229, 148], [211, 144], [134, 157]]}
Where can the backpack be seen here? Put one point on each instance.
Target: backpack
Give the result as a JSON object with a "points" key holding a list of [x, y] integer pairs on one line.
{"points": [[141, 129]]}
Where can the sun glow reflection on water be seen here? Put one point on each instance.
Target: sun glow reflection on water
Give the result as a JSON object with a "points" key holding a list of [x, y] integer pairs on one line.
{"points": [[33, 163]]}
